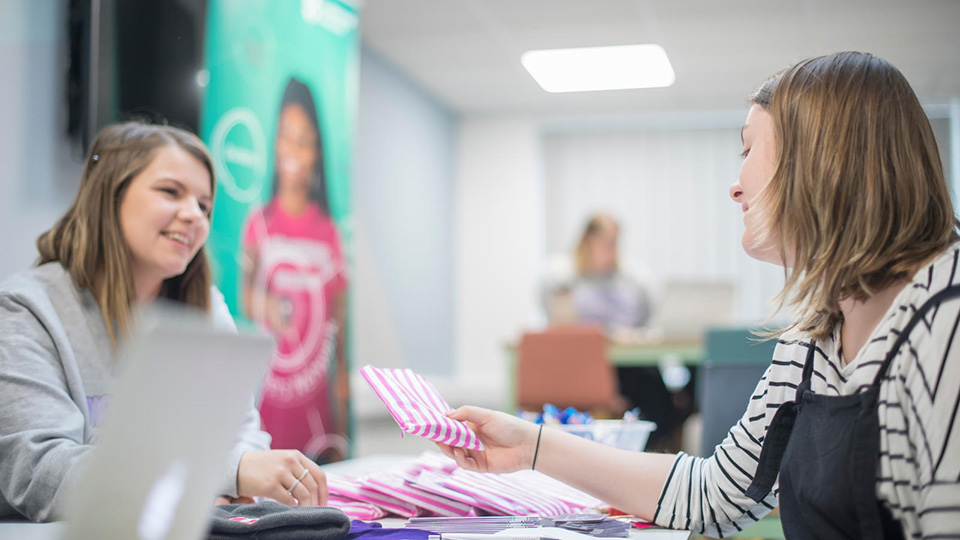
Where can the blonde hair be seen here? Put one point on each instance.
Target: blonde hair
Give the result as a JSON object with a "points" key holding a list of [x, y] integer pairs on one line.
{"points": [[858, 197], [596, 224], [88, 240]]}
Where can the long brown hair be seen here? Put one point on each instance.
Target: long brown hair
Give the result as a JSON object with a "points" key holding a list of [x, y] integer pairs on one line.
{"points": [[88, 240], [595, 225], [858, 197]]}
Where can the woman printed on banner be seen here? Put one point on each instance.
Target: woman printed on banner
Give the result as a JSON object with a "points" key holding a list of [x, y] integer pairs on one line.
{"points": [[295, 287]]}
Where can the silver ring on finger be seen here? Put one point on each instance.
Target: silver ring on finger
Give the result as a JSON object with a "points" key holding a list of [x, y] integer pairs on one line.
{"points": [[295, 484]]}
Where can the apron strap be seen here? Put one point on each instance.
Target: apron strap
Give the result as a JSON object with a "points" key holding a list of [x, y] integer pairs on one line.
{"points": [[807, 369], [947, 294], [778, 434], [768, 467]]}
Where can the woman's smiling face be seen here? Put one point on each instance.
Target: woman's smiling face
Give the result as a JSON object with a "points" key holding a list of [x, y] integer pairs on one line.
{"points": [[296, 149], [759, 164], [165, 217]]}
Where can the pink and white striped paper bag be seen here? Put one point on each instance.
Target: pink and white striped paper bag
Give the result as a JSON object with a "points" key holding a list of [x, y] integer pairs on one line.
{"points": [[418, 408], [350, 488], [356, 509]]}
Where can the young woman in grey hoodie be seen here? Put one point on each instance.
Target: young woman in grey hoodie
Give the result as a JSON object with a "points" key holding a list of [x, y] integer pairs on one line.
{"points": [[135, 233]]}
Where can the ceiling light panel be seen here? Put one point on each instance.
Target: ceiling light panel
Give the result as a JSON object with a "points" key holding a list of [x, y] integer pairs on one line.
{"points": [[600, 68]]}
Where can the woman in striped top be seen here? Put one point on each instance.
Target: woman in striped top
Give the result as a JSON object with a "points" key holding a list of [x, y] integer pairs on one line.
{"points": [[852, 428]]}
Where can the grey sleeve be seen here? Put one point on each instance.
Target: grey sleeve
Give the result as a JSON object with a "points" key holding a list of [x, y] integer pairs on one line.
{"points": [[41, 425], [251, 437]]}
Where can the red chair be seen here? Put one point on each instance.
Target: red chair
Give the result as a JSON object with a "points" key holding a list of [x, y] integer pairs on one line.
{"points": [[568, 367]]}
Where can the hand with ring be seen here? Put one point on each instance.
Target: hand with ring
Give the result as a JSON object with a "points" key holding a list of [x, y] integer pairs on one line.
{"points": [[286, 476], [299, 479]]}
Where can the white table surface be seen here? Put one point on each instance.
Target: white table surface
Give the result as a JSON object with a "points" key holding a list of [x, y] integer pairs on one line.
{"points": [[21, 530]]}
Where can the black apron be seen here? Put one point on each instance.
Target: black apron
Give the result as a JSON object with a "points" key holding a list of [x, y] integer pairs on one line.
{"points": [[828, 471]]}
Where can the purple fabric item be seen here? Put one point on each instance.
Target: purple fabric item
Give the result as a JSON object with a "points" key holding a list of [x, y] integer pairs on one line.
{"points": [[360, 530]]}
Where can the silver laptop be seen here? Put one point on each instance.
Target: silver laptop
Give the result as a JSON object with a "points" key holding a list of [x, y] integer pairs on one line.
{"points": [[183, 394], [687, 308]]}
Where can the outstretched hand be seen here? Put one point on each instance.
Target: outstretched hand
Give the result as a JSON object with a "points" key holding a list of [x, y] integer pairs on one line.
{"points": [[631, 481], [509, 442]]}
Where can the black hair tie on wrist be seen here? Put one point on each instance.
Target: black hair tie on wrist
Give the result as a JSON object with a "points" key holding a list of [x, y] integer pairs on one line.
{"points": [[533, 467]]}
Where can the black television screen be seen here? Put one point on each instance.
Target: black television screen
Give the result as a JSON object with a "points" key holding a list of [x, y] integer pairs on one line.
{"points": [[130, 58]]}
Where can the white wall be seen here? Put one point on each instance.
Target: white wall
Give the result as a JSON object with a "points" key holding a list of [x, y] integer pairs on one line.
{"points": [[500, 247], [403, 191], [668, 188], [39, 175], [404, 303], [495, 206]]}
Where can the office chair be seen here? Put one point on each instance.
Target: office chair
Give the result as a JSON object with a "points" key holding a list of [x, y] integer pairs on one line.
{"points": [[735, 361], [733, 365], [568, 367]]}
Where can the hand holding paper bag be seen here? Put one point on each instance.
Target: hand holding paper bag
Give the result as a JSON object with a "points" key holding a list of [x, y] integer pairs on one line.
{"points": [[418, 408], [509, 441]]}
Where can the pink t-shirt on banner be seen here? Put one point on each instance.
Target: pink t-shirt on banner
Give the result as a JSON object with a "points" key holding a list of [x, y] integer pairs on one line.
{"points": [[301, 269]]}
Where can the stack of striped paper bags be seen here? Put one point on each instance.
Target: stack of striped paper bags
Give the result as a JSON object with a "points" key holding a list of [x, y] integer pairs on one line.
{"points": [[433, 485]]}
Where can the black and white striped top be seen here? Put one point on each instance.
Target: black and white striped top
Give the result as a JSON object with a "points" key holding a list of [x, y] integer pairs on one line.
{"points": [[919, 476]]}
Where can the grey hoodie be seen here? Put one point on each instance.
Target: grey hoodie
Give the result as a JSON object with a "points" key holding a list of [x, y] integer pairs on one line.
{"points": [[56, 374]]}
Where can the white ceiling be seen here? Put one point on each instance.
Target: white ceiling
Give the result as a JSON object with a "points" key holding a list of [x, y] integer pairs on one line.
{"points": [[466, 53]]}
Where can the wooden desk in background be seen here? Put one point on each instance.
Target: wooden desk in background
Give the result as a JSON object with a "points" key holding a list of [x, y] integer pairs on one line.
{"points": [[689, 353]]}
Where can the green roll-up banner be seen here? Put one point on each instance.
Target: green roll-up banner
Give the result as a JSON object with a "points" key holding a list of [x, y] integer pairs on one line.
{"points": [[279, 117]]}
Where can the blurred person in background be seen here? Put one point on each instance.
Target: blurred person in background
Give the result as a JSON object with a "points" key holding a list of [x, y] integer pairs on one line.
{"points": [[295, 286], [593, 288], [135, 233]]}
